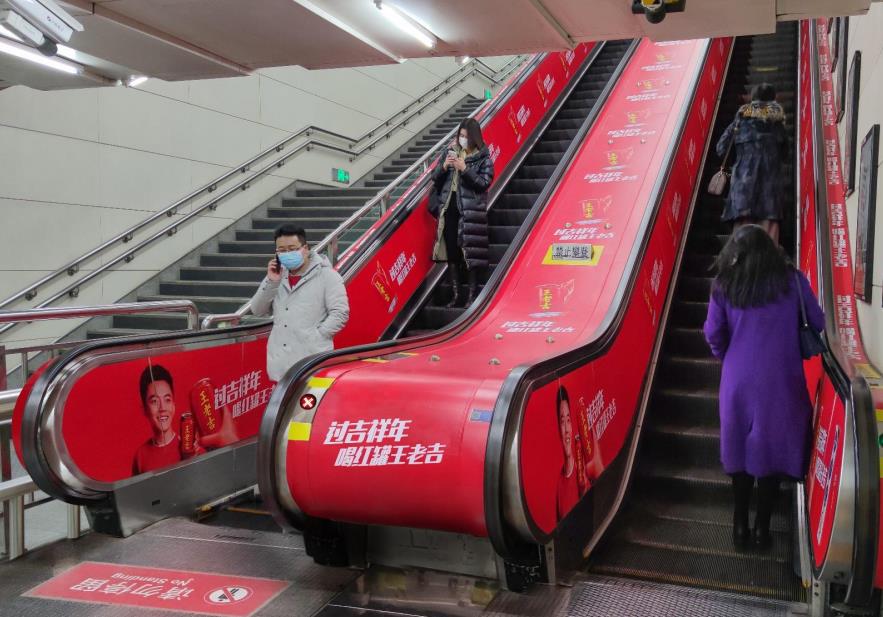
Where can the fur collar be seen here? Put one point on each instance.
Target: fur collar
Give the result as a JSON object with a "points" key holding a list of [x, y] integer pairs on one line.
{"points": [[767, 111]]}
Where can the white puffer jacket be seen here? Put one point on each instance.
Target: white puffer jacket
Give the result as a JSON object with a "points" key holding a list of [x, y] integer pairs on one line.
{"points": [[306, 318]]}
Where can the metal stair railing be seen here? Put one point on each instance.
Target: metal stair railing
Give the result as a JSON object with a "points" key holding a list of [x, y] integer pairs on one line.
{"points": [[382, 131]]}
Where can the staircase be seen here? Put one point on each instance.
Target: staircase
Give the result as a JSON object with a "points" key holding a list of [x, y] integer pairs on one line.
{"points": [[675, 525], [227, 276], [511, 207]]}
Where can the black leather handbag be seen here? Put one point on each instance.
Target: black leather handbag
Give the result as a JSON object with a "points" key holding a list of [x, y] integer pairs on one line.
{"points": [[811, 342]]}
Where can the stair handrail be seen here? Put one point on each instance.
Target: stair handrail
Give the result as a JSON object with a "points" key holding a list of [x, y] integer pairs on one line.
{"points": [[330, 242], [473, 67]]}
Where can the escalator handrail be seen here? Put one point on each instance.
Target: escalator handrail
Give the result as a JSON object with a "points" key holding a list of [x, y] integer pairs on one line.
{"points": [[850, 385], [296, 377], [511, 401]]}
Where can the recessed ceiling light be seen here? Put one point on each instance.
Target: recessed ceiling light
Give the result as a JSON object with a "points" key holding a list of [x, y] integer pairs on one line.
{"points": [[26, 53], [136, 81]]}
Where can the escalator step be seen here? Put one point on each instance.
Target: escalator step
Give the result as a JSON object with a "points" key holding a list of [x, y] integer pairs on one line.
{"points": [[709, 571], [687, 407]]}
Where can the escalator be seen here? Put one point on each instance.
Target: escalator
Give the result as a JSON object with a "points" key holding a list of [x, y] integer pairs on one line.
{"points": [[675, 525], [455, 434], [510, 208], [217, 377]]}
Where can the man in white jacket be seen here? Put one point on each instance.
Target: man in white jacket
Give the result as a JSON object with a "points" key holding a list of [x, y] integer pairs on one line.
{"points": [[307, 299]]}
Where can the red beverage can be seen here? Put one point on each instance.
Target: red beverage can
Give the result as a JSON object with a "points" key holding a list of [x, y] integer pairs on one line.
{"points": [[202, 402], [188, 435]]}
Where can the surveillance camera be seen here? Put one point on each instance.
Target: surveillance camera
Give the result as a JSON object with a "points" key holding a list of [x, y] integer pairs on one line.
{"points": [[654, 10], [51, 20]]}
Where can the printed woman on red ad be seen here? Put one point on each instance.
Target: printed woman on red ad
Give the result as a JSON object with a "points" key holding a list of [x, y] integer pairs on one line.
{"points": [[174, 438], [569, 489]]}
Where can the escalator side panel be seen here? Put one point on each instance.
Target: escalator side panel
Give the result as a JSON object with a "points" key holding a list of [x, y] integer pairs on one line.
{"points": [[383, 285], [602, 398]]}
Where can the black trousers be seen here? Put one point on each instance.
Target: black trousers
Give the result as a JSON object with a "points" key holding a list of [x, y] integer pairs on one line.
{"points": [[452, 225], [767, 491]]}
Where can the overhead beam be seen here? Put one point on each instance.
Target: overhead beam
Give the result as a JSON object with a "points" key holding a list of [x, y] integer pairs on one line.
{"points": [[335, 21], [99, 10], [554, 23]]}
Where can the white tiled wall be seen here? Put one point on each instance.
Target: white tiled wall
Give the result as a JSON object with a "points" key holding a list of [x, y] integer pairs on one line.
{"points": [[78, 167], [864, 35]]}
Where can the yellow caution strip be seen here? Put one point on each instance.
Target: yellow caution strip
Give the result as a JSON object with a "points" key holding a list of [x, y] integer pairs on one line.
{"points": [[320, 382], [299, 431]]}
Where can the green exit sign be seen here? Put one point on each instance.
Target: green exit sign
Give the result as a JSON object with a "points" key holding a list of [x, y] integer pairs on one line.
{"points": [[340, 175], [488, 95]]}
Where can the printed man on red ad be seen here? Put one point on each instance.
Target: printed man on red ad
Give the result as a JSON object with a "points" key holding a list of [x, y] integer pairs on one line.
{"points": [[307, 299], [174, 438]]}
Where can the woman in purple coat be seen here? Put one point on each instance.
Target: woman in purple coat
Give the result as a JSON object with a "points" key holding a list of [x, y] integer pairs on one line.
{"points": [[765, 411]]}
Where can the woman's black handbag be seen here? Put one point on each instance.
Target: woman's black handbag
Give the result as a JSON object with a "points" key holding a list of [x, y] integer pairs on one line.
{"points": [[811, 342]]}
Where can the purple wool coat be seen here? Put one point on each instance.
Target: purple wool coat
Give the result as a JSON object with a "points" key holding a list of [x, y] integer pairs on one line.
{"points": [[765, 411]]}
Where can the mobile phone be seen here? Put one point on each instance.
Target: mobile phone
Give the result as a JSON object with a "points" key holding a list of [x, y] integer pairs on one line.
{"points": [[278, 265], [452, 153]]}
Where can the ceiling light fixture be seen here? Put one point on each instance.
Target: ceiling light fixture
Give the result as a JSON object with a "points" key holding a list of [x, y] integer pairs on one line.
{"points": [[25, 53], [406, 24], [461, 60], [9, 34], [136, 81]]}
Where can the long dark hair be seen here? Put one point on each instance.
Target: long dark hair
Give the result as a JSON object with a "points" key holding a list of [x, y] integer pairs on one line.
{"points": [[473, 132], [751, 269]]}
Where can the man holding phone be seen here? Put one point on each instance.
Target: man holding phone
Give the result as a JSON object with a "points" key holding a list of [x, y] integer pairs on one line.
{"points": [[306, 298]]}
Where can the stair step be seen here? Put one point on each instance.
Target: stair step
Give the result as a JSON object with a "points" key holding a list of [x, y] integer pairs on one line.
{"points": [[150, 321], [205, 304], [223, 274], [221, 289], [117, 332]]}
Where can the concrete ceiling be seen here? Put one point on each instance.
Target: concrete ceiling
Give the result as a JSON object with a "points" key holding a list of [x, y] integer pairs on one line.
{"points": [[198, 39]]}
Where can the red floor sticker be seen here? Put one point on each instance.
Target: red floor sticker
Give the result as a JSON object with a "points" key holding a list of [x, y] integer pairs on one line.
{"points": [[158, 588]]}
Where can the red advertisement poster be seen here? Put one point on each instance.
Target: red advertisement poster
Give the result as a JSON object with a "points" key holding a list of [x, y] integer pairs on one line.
{"points": [[182, 591], [386, 282], [413, 426], [150, 413], [823, 479]]}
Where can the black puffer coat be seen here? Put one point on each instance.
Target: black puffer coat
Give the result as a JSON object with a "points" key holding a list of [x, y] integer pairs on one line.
{"points": [[472, 191], [760, 145]]}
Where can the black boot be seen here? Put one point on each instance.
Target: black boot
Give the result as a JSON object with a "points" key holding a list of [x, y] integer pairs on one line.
{"points": [[472, 277], [454, 277], [767, 491], [742, 487]]}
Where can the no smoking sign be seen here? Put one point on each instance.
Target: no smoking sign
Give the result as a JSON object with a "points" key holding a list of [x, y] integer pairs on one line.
{"points": [[227, 595]]}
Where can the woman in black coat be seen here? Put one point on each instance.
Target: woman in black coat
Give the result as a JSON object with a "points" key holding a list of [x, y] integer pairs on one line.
{"points": [[461, 181], [757, 135]]}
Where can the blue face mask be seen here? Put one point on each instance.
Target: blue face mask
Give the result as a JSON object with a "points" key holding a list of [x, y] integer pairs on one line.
{"points": [[292, 260]]}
